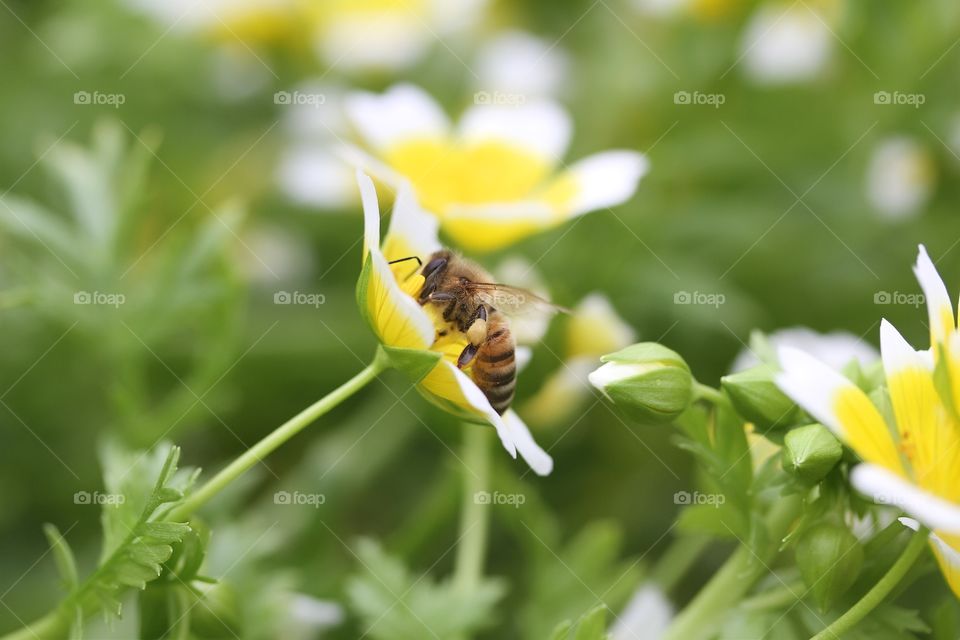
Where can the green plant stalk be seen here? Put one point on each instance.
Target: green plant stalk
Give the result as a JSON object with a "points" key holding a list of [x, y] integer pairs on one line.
{"points": [[738, 574], [881, 590], [57, 623], [716, 397], [682, 554], [474, 513], [277, 437]]}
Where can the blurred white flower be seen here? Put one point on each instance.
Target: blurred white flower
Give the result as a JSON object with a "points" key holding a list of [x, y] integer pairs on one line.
{"points": [[837, 348], [785, 43], [364, 34], [520, 64], [348, 34], [900, 177], [272, 255], [646, 616], [308, 615], [310, 173]]}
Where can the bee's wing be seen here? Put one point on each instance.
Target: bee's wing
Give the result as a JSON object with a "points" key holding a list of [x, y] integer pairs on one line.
{"points": [[512, 300]]}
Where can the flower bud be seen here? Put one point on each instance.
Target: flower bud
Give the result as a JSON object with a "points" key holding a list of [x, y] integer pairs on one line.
{"points": [[810, 452], [647, 380], [829, 557], [757, 398]]}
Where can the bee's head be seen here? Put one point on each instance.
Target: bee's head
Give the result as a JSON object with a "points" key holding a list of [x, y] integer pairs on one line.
{"points": [[433, 272]]}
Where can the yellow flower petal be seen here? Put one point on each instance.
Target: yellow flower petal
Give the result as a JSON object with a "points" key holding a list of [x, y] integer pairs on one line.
{"points": [[947, 551]]}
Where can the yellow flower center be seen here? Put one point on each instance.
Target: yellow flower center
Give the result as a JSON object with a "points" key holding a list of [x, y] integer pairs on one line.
{"points": [[446, 172]]}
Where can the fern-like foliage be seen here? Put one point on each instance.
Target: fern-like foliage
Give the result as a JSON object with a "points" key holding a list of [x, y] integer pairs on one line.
{"points": [[137, 541]]}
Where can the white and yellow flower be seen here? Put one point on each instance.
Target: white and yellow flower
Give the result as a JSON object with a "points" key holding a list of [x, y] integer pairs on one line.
{"points": [[911, 456], [348, 34], [408, 332], [494, 178]]}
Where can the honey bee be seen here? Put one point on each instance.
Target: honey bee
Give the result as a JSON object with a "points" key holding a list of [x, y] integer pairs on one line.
{"points": [[476, 306]]}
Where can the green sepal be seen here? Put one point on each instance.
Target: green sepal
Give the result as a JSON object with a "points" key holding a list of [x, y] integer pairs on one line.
{"points": [[810, 452], [757, 398], [413, 363], [363, 284]]}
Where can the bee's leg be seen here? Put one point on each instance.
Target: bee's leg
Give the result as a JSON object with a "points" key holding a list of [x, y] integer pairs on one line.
{"points": [[466, 356], [477, 328]]}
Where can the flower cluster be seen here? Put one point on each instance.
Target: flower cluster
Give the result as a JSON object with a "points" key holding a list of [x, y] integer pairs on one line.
{"points": [[908, 436]]}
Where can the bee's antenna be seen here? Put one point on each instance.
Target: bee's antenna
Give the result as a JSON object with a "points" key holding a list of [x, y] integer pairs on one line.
{"points": [[398, 260]]}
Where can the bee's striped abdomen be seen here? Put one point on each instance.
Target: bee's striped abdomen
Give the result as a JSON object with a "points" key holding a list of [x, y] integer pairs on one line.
{"points": [[495, 366]]}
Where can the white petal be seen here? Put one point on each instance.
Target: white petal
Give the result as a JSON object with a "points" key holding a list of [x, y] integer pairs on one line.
{"points": [[520, 64], [897, 353], [371, 212], [316, 178], [523, 356], [479, 402], [938, 300], [538, 459], [363, 161], [836, 348], [606, 179], [613, 372], [646, 616], [541, 127], [403, 112], [811, 384], [417, 228], [533, 211], [886, 487]]}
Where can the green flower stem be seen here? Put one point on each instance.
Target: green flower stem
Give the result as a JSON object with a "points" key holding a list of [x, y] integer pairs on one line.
{"points": [[277, 437], [52, 625], [728, 586], [708, 394], [682, 554], [881, 590], [475, 513], [775, 598]]}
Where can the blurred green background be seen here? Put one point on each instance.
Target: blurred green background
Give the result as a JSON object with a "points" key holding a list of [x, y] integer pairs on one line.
{"points": [[766, 199]]}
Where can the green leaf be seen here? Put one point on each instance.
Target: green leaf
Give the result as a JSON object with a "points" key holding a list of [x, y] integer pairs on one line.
{"points": [[590, 626], [589, 564], [396, 605], [62, 555]]}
